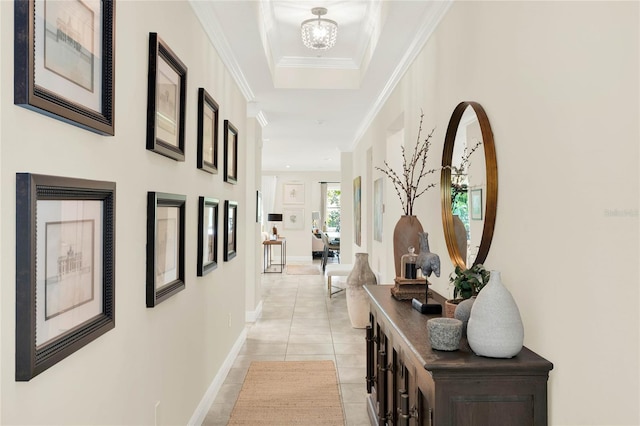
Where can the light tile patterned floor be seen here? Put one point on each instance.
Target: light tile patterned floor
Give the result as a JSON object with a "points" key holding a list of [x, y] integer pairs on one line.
{"points": [[300, 322]]}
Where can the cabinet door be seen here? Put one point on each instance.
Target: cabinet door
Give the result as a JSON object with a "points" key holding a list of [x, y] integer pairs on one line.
{"points": [[413, 405], [377, 372], [383, 384]]}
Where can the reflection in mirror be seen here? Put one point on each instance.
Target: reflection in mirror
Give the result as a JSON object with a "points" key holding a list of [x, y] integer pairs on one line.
{"points": [[467, 177], [468, 185]]}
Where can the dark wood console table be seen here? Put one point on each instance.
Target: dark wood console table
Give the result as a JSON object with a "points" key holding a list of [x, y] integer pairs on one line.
{"points": [[411, 384]]}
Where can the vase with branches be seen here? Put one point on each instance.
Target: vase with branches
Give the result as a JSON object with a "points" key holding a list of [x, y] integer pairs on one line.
{"points": [[410, 183]]}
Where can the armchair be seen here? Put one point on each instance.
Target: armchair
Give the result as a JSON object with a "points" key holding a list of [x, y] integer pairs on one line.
{"points": [[329, 246]]}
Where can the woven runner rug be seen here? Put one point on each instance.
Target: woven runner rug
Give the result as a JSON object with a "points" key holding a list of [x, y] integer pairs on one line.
{"points": [[303, 270], [289, 393]]}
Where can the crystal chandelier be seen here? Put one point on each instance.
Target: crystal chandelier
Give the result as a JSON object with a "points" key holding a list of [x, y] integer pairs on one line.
{"points": [[319, 33]]}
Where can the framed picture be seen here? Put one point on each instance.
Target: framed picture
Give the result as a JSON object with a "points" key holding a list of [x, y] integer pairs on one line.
{"points": [[231, 229], [166, 100], [165, 246], [207, 235], [293, 193], [378, 196], [293, 218], [258, 207], [207, 132], [65, 265], [230, 153], [476, 204], [63, 61], [357, 210]]}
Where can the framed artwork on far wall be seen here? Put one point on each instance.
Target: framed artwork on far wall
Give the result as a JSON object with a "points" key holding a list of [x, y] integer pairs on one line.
{"points": [[207, 132], [293, 193], [166, 100], [476, 204], [230, 229], [357, 210], [63, 61], [65, 268], [165, 246], [378, 196], [293, 218], [230, 153], [207, 235], [258, 206]]}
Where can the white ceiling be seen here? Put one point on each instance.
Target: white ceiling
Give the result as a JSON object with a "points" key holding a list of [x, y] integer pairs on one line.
{"points": [[313, 104]]}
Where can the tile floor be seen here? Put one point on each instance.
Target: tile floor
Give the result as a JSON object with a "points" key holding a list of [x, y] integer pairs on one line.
{"points": [[300, 322]]}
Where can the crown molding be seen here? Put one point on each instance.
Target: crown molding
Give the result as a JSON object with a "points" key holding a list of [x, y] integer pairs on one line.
{"points": [[211, 26], [428, 26]]}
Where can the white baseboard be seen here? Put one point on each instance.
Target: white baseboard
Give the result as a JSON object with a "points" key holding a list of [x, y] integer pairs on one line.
{"points": [[252, 316], [212, 391]]}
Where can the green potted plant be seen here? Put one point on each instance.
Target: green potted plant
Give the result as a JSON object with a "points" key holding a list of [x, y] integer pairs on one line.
{"points": [[466, 283]]}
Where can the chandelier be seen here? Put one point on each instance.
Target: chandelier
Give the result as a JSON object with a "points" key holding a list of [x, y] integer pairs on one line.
{"points": [[319, 33]]}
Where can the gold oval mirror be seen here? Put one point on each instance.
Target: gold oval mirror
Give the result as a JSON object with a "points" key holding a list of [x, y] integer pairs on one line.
{"points": [[468, 185]]}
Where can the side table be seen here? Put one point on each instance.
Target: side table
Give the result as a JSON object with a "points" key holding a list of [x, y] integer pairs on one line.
{"points": [[282, 242]]}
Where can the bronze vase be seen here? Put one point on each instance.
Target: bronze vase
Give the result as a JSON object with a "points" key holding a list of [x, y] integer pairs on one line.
{"points": [[405, 235]]}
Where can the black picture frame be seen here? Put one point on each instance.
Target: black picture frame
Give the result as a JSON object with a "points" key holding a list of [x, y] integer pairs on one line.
{"points": [[50, 210], [165, 246], [230, 153], [43, 77], [258, 206], [207, 132], [207, 235], [230, 229], [166, 100]]}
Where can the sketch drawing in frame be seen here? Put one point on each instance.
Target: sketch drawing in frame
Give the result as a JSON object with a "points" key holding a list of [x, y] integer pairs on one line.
{"points": [[207, 132], [165, 246], [293, 193], [230, 229], [207, 235], [64, 61], [230, 153], [166, 100], [293, 218], [64, 268]]}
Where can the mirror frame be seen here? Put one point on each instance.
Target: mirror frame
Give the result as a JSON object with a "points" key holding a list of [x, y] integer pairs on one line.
{"points": [[492, 184]]}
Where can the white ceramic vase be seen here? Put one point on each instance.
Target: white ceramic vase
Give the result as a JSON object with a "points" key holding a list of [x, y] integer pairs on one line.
{"points": [[495, 327], [357, 299]]}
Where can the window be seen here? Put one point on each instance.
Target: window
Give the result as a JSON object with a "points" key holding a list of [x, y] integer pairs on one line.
{"points": [[333, 207]]}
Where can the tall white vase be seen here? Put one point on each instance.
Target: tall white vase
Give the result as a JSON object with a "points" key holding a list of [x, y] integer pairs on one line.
{"points": [[357, 299], [495, 327]]}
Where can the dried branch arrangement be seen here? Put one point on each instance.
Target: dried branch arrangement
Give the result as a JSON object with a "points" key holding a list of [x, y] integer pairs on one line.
{"points": [[414, 169]]}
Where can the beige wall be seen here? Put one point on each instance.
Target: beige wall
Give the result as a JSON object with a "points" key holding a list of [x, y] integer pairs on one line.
{"points": [[170, 353], [559, 82]]}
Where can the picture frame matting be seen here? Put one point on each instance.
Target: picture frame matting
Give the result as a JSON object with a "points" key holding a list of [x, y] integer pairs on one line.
{"points": [[65, 268], [63, 75]]}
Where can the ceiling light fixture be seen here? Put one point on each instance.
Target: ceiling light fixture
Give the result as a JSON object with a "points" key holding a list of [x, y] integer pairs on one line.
{"points": [[320, 33]]}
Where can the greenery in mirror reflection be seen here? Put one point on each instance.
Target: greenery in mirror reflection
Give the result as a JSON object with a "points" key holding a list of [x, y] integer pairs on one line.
{"points": [[459, 204]]}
